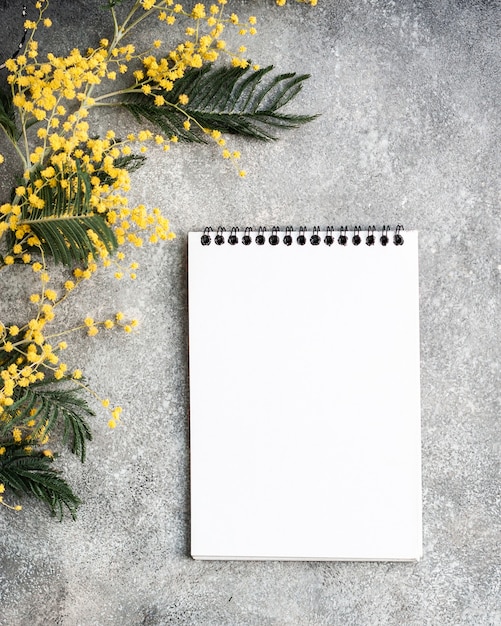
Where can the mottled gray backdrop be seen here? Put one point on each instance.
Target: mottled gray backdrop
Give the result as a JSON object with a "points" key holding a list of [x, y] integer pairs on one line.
{"points": [[409, 96]]}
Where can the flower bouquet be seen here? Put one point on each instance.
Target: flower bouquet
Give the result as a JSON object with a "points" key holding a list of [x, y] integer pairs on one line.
{"points": [[68, 213]]}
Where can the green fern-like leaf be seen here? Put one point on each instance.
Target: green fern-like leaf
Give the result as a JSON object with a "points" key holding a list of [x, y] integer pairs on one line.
{"points": [[228, 99], [64, 222], [130, 162], [7, 358], [7, 117], [49, 406], [28, 474]]}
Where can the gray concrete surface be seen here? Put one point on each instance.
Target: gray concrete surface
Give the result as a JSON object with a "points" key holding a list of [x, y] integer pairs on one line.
{"points": [[409, 95]]}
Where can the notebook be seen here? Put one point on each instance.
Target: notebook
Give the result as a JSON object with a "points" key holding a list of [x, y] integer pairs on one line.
{"points": [[304, 394]]}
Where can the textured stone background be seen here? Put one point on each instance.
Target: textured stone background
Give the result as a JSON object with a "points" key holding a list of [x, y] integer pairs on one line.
{"points": [[409, 95]]}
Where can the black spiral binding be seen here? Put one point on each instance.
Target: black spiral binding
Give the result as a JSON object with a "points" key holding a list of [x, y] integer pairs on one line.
{"points": [[274, 240], [301, 239], [315, 238], [398, 240], [205, 239], [345, 237], [233, 239], [356, 239], [329, 238], [219, 239], [260, 239], [370, 240], [247, 239], [384, 236]]}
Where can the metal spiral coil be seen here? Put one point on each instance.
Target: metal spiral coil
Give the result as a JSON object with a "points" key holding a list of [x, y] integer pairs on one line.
{"points": [[345, 236]]}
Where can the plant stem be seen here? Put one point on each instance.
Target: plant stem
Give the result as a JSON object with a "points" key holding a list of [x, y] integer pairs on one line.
{"points": [[65, 332], [132, 12], [25, 137], [138, 21], [111, 94], [115, 22], [16, 148]]}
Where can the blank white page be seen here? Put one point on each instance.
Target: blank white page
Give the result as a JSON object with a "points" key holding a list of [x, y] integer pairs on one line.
{"points": [[304, 401]]}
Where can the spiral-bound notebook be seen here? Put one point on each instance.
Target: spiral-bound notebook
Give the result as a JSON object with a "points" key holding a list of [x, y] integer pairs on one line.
{"points": [[304, 394]]}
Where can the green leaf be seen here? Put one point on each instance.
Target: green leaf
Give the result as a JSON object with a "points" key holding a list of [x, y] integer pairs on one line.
{"points": [[130, 162], [7, 358], [7, 117], [64, 222], [232, 100], [50, 405], [26, 473]]}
